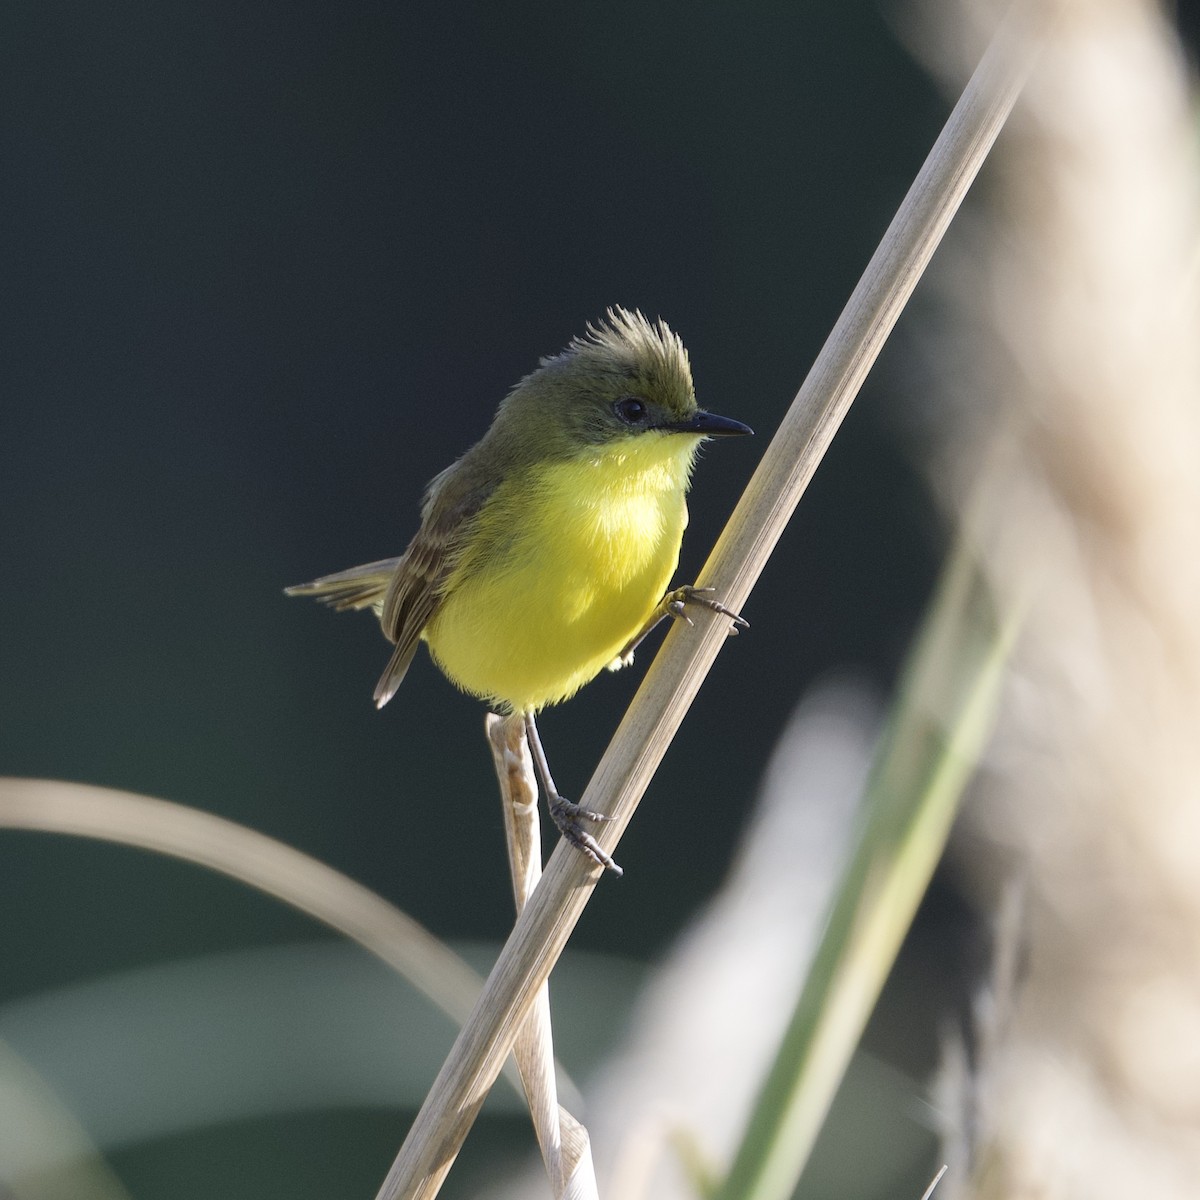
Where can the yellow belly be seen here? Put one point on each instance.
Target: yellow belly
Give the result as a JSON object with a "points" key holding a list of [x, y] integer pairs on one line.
{"points": [[566, 567]]}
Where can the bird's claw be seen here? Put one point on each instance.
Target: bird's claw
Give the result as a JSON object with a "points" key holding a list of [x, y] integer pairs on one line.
{"points": [[569, 818], [678, 609]]}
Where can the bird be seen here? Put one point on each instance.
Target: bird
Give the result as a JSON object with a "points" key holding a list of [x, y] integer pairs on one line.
{"points": [[545, 552]]}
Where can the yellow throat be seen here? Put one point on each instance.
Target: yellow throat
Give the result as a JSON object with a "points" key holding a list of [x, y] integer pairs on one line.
{"points": [[569, 561]]}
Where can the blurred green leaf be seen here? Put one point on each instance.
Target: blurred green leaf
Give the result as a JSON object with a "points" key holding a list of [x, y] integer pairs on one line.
{"points": [[938, 730]]}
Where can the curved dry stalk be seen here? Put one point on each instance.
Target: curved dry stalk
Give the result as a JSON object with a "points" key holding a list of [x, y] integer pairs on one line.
{"points": [[84, 810], [542, 930]]}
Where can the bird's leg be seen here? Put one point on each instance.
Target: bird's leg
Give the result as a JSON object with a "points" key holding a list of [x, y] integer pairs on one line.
{"points": [[567, 815], [674, 604]]}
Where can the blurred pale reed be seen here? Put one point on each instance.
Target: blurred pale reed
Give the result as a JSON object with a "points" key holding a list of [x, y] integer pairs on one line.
{"points": [[1081, 487]]}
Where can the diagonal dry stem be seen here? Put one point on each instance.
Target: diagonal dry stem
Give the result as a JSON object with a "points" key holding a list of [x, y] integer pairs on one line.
{"points": [[542, 930]]}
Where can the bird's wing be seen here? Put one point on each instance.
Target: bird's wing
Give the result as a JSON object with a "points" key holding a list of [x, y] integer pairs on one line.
{"points": [[414, 593]]}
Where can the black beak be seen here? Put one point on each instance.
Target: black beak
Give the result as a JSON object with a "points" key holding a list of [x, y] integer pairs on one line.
{"points": [[708, 424]]}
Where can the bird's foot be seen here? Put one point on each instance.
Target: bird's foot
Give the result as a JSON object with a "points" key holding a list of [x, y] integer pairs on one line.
{"points": [[569, 818], [675, 604]]}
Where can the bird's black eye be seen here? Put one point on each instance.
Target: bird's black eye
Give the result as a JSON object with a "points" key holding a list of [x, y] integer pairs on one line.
{"points": [[631, 410]]}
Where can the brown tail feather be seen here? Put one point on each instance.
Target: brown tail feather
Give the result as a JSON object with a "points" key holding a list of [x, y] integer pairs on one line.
{"points": [[359, 587]]}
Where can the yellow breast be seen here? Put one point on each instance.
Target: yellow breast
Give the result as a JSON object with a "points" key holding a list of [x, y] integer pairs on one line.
{"points": [[568, 563]]}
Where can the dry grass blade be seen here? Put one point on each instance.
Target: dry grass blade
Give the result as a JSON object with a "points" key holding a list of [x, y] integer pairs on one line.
{"points": [[542, 930], [936, 1180]]}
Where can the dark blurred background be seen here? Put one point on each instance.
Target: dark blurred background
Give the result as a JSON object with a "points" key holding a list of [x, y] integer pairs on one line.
{"points": [[267, 268]]}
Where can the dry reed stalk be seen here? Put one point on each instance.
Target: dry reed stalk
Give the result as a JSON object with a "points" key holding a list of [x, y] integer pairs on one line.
{"points": [[564, 1142], [542, 930], [83, 810]]}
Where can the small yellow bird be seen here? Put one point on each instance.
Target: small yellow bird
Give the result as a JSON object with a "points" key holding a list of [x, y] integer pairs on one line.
{"points": [[545, 552]]}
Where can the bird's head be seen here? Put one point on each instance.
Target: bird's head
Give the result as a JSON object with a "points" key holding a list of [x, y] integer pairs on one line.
{"points": [[626, 378]]}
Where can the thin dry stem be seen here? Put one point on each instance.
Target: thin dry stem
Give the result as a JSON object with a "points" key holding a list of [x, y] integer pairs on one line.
{"points": [[563, 1140], [542, 930]]}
